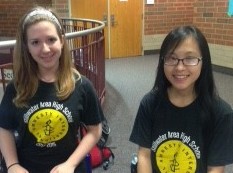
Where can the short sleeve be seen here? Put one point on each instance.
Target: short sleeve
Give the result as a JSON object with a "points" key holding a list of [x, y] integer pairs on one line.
{"points": [[93, 113], [142, 129], [221, 147]]}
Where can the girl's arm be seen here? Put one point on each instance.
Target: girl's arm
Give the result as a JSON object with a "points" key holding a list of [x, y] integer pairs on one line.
{"points": [[216, 169], [8, 147], [144, 160], [86, 144]]}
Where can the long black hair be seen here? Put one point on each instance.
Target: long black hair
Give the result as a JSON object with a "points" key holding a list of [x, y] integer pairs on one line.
{"points": [[205, 86]]}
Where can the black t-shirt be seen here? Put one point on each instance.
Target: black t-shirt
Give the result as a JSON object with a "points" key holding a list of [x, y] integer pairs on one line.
{"points": [[177, 136], [47, 128]]}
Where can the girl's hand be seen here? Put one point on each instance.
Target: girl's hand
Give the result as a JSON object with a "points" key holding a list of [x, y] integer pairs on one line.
{"points": [[17, 168], [63, 168]]}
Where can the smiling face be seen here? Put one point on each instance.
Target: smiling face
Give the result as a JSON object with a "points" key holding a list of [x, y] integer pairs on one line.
{"points": [[44, 45], [181, 77]]}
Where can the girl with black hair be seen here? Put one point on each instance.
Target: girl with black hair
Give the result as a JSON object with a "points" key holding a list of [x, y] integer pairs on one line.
{"points": [[182, 125]]}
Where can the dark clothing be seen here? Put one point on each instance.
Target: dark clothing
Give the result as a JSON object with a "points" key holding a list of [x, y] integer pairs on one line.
{"points": [[178, 138], [47, 128]]}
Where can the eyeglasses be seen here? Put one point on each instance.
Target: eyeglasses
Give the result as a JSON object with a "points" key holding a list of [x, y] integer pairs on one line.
{"points": [[187, 61]]}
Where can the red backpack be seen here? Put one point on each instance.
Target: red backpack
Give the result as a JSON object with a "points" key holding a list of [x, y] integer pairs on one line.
{"points": [[100, 153]]}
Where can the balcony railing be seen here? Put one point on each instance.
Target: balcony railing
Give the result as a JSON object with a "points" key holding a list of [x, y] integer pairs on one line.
{"points": [[86, 41]]}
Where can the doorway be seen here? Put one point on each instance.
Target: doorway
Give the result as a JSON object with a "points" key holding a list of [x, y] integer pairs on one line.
{"points": [[123, 19]]}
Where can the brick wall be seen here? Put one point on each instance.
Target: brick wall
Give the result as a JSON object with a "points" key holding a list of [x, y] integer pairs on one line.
{"points": [[61, 7], [162, 16], [12, 10], [210, 16]]}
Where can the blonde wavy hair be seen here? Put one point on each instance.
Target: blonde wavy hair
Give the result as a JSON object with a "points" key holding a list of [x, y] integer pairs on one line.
{"points": [[25, 69]]}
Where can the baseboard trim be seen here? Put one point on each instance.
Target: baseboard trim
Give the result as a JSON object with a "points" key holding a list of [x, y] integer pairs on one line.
{"points": [[221, 69], [151, 52]]}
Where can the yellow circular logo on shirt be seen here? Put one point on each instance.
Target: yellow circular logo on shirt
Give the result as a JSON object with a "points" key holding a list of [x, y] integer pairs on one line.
{"points": [[175, 157], [48, 125]]}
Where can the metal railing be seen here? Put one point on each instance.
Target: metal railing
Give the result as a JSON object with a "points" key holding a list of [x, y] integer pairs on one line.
{"points": [[86, 41]]}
